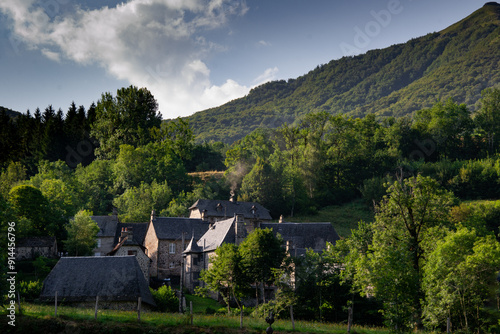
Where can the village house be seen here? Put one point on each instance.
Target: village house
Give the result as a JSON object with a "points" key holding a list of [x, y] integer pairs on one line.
{"points": [[215, 210], [32, 247], [198, 252], [166, 240], [117, 280], [128, 244], [107, 231], [297, 238]]}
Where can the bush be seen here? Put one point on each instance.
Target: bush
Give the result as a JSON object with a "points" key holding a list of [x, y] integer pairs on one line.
{"points": [[210, 311], [165, 299], [30, 290]]}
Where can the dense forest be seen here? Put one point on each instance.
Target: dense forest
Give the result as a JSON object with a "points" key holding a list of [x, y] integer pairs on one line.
{"points": [[458, 62], [119, 153]]}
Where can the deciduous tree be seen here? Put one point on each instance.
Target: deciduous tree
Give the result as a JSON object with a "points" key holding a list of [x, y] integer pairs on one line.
{"points": [[82, 234]]}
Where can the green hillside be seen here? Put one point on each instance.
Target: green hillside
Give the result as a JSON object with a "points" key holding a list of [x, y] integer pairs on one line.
{"points": [[458, 62]]}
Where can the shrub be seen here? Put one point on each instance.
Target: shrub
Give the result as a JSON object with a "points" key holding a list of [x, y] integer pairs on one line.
{"points": [[30, 290], [165, 299]]}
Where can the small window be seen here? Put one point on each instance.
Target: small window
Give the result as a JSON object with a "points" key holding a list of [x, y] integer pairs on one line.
{"points": [[171, 248], [172, 265], [97, 254], [132, 252], [98, 243]]}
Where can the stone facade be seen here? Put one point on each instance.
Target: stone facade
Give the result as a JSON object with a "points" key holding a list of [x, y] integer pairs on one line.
{"points": [[164, 243], [106, 235], [31, 248]]}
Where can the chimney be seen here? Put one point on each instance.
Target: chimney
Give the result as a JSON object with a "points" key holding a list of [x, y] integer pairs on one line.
{"points": [[232, 198], [153, 215], [281, 219], [123, 234], [204, 215], [130, 235], [114, 215], [239, 228]]}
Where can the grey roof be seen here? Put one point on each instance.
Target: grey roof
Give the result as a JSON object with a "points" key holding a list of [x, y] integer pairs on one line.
{"points": [[112, 278], [221, 232], [36, 242], [139, 231], [218, 208], [193, 247], [107, 225], [171, 228], [305, 235]]}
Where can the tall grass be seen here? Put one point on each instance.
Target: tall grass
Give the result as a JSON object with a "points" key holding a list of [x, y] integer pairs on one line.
{"points": [[344, 218], [156, 319]]}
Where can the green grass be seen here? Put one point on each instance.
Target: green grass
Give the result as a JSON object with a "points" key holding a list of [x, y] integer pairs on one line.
{"points": [[201, 304], [40, 318], [343, 217]]}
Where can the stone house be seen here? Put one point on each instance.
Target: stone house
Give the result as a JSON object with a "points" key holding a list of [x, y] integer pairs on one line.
{"points": [[117, 280], [215, 210], [166, 239], [31, 247], [297, 238], [106, 235], [128, 244], [198, 253]]}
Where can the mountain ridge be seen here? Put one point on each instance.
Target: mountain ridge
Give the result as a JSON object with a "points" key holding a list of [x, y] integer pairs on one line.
{"points": [[458, 62]]}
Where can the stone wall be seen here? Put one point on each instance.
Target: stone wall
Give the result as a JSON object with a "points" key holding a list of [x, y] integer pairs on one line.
{"points": [[106, 246], [151, 244], [142, 258]]}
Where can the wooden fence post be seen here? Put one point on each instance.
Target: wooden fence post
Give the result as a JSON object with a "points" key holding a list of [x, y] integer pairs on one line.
{"points": [[55, 305], [19, 303], [96, 304], [139, 309], [349, 319], [241, 317], [191, 311]]}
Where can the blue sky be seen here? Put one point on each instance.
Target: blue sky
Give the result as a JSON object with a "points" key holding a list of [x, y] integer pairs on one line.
{"points": [[191, 54]]}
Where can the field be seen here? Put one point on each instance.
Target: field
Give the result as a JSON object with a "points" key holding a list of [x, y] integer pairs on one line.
{"points": [[40, 319], [343, 217]]}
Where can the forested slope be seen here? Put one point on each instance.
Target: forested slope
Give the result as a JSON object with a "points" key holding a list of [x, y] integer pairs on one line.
{"points": [[458, 62]]}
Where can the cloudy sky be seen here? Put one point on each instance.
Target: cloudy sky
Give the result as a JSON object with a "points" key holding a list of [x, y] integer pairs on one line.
{"points": [[191, 54]]}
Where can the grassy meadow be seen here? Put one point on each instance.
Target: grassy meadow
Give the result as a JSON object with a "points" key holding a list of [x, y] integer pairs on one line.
{"points": [[40, 319]]}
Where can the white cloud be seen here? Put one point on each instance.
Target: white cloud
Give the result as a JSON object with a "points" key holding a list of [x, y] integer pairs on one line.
{"points": [[156, 44], [263, 43], [268, 75]]}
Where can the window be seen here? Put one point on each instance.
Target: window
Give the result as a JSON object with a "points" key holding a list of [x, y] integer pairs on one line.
{"points": [[132, 252], [171, 248], [97, 254], [98, 243], [172, 265]]}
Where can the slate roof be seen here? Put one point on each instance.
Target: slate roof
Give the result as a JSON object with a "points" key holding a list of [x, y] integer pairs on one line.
{"points": [[107, 225], [221, 232], [139, 231], [219, 208], [112, 278], [193, 247], [171, 228], [305, 235], [36, 242]]}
